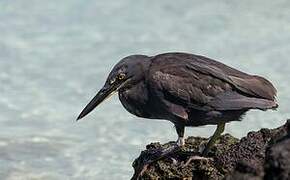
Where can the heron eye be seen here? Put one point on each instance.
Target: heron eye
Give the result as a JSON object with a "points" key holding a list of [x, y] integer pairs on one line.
{"points": [[121, 76]]}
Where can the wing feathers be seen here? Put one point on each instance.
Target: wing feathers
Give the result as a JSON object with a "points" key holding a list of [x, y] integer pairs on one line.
{"points": [[202, 83], [235, 101], [252, 85], [257, 86]]}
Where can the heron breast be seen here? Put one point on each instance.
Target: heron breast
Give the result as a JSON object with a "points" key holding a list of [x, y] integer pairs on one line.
{"points": [[134, 101]]}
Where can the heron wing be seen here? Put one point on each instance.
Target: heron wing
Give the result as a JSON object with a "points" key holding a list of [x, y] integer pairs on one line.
{"points": [[175, 83], [200, 83], [250, 85]]}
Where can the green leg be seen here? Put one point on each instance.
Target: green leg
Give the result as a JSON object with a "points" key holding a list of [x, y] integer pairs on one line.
{"points": [[219, 130]]}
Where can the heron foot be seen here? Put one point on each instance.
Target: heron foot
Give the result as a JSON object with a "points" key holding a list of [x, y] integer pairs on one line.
{"points": [[154, 156], [201, 147], [180, 142]]}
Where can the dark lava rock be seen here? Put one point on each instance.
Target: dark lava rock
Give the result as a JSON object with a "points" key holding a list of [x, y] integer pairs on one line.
{"points": [[277, 165], [259, 155]]}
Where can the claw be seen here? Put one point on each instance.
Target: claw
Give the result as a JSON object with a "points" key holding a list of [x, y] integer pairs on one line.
{"points": [[180, 141]]}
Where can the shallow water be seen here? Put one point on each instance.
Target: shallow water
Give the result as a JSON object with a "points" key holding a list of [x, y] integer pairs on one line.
{"points": [[55, 55]]}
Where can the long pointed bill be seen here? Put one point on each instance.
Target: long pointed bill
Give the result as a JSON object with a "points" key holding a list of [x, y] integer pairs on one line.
{"points": [[103, 94]]}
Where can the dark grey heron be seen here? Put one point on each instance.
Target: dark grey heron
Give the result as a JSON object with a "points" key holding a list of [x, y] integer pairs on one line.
{"points": [[186, 89]]}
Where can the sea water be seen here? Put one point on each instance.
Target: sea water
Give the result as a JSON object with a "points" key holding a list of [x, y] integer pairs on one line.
{"points": [[55, 55]]}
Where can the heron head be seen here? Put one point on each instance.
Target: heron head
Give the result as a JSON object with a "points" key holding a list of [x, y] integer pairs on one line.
{"points": [[127, 73]]}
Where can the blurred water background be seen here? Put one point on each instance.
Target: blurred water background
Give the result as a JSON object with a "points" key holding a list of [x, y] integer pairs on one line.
{"points": [[55, 55]]}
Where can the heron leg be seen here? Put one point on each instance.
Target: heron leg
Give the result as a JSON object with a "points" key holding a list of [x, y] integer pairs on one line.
{"points": [[180, 132], [219, 130]]}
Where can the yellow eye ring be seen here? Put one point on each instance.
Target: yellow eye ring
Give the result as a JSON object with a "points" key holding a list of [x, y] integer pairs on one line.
{"points": [[121, 76]]}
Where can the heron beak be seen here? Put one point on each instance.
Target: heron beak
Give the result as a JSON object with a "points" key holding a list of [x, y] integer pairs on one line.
{"points": [[103, 94]]}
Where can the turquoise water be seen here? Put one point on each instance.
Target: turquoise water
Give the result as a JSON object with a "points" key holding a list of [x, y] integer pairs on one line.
{"points": [[55, 55]]}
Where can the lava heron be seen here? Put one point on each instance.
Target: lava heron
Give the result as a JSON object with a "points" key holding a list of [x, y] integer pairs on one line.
{"points": [[186, 89]]}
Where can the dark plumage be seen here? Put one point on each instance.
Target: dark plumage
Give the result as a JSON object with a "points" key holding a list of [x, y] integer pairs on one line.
{"points": [[186, 89]]}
